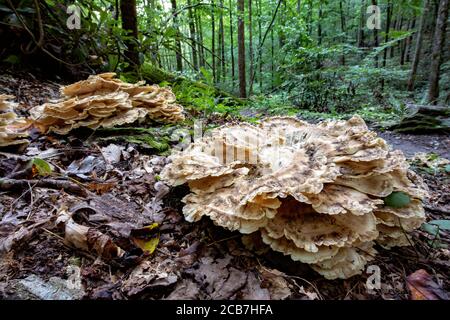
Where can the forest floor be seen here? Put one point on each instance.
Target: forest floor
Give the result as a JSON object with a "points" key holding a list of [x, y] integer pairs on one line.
{"points": [[112, 190]]}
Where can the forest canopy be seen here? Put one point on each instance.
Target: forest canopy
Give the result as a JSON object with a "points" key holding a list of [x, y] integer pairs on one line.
{"points": [[321, 56]]}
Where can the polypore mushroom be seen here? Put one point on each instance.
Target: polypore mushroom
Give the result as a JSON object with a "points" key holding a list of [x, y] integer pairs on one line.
{"points": [[313, 192], [103, 101], [11, 126]]}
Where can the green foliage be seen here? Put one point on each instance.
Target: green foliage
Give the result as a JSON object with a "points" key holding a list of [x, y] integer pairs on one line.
{"points": [[397, 199], [42, 167]]}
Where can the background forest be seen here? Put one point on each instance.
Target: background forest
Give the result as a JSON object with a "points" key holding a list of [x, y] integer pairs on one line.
{"points": [[287, 56]]}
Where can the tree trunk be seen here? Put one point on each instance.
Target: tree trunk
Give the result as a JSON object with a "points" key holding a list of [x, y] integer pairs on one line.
{"points": [[409, 40], [361, 24], [213, 40], [250, 42], [342, 30], [386, 37], [241, 49], [310, 15], [222, 42], [281, 33], [319, 25], [415, 64], [438, 47], [193, 36], [130, 25], [200, 43], [376, 41], [178, 52], [232, 45], [260, 44]]}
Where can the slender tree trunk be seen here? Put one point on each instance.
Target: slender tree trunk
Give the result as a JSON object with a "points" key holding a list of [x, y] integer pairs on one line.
{"points": [[376, 40], [272, 58], [130, 24], [232, 45], [386, 37], [178, 50], [299, 6], [222, 42], [415, 64], [193, 36], [250, 42], [260, 44], [342, 29], [213, 40], [282, 20], [438, 47], [200, 43], [409, 42], [361, 24], [241, 49], [310, 16], [319, 25]]}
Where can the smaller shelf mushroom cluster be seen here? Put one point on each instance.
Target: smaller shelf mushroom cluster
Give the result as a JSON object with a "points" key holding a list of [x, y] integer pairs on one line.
{"points": [[103, 101], [11, 125], [314, 192]]}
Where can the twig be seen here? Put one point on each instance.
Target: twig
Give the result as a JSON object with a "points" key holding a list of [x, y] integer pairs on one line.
{"points": [[14, 184]]}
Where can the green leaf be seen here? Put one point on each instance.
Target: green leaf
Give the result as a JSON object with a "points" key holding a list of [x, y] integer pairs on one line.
{"points": [[430, 229], [447, 168], [397, 200], [146, 238], [442, 224], [12, 59], [42, 167]]}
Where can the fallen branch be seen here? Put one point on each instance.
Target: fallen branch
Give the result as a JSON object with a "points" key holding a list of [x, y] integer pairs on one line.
{"points": [[16, 184]]}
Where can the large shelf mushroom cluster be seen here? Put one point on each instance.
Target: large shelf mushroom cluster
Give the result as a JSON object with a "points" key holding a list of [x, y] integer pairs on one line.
{"points": [[314, 192], [103, 101], [10, 123]]}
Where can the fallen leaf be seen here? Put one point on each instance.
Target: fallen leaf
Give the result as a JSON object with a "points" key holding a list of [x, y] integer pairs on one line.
{"points": [[146, 238], [422, 287]]}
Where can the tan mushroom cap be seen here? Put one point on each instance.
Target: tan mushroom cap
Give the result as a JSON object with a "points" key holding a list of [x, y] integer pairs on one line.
{"points": [[12, 127], [103, 101], [313, 192]]}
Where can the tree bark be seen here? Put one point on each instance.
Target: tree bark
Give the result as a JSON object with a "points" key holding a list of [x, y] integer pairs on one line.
{"points": [[319, 25], [193, 36], [241, 49], [222, 42], [361, 24], [250, 41], [415, 64], [213, 41], [375, 37], [386, 37], [260, 44], [438, 47], [342, 29], [178, 52], [232, 45], [200, 43], [130, 25]]}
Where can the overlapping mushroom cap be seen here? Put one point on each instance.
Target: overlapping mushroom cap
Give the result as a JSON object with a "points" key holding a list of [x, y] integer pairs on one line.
{"points": [[314, 192], [103, 101], [11, 125]]}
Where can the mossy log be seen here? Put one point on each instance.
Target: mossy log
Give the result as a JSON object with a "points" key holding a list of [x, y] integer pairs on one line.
{"points": [[423, 118]]}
